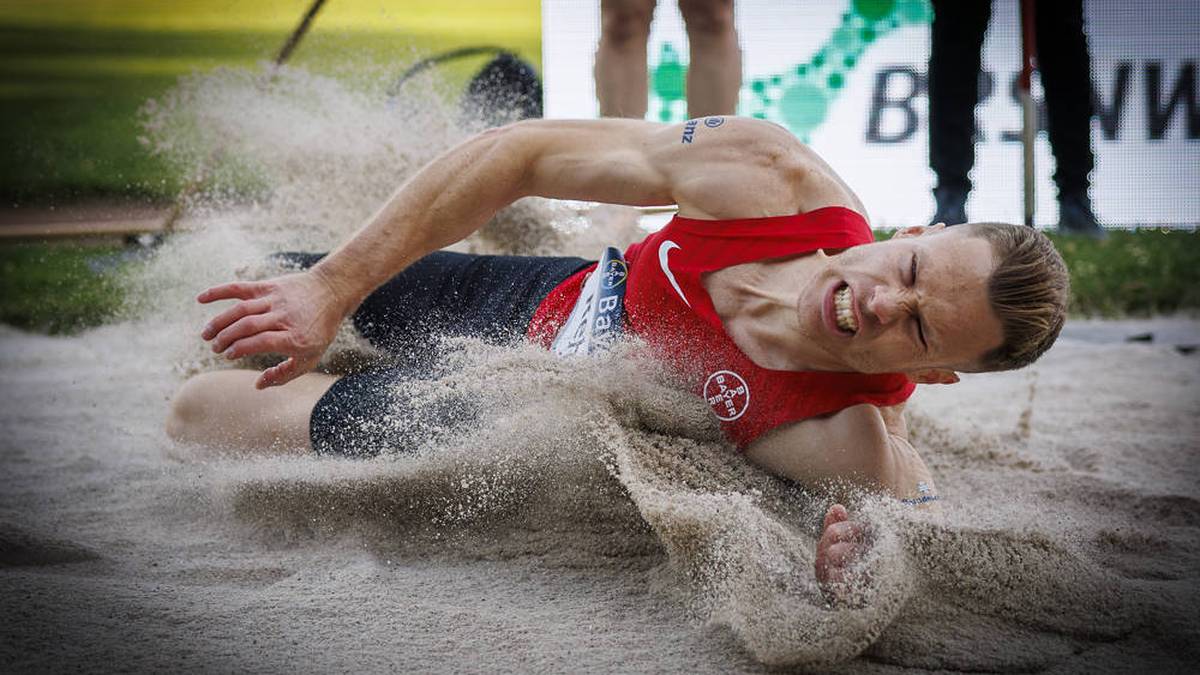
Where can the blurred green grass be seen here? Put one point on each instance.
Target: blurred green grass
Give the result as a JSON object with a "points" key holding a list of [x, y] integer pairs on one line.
{"points": [[1133, 273], [60, 288], [73, 73]]}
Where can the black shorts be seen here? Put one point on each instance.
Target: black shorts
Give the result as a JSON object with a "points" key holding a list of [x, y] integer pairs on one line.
{"points": [[443, 294]]}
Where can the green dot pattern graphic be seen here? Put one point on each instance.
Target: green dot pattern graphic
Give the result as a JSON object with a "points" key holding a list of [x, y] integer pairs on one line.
{"points": [[801, 95]]}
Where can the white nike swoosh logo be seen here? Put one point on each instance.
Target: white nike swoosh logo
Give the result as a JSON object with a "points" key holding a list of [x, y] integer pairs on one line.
{"points": [[664, 249]]}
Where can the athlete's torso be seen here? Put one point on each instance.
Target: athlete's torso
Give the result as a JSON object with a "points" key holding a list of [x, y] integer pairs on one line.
{"points": [[668, 306]]}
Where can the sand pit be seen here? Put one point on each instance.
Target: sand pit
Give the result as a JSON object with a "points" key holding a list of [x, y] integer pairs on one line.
{"points": [[593, 521], [1072, 544]]}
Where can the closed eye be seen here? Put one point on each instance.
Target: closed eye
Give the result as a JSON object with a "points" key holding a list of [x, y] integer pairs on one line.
{"points": [[912, 272]]}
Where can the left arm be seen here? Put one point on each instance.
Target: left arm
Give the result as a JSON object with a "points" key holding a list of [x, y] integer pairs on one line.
{"points": [[863, 445]]}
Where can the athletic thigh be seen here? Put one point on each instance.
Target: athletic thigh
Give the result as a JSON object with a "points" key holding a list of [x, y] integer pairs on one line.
{"points": [[223, 409], [388, 409]]}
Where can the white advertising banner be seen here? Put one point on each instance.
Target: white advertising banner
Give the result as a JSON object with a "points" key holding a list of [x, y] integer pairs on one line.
{"points": [[848, 77]]}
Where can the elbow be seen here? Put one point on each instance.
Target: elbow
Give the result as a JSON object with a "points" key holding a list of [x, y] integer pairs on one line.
{"points": [[885, 467], [880, 465], [875, 468], [500, 132], [507, 156]]}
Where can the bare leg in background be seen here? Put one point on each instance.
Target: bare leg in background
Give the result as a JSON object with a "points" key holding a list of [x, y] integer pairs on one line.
{"points": [[622, 80], [714, 74]]}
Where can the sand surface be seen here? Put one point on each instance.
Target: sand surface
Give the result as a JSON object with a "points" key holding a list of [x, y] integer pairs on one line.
{"points": [[1072, 543], [593, 521]]}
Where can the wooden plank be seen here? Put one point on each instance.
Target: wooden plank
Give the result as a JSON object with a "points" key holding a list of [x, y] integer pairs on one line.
{"points": [[79, 221]]}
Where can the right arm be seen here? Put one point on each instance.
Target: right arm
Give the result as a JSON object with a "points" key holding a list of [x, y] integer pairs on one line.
{"points": [[742, 168], [736, 168]]}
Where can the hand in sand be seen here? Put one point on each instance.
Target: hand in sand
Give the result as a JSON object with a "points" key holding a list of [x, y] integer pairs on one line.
{"points": [[843, 543], [296, 315]]}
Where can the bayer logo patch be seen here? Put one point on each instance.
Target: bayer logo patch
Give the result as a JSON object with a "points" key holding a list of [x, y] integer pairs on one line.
{"points": [[727, 394], [614, 273]]}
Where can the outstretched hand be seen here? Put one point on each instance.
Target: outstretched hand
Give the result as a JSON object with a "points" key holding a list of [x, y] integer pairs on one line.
{"points": [[296, 315], [843, 543]]}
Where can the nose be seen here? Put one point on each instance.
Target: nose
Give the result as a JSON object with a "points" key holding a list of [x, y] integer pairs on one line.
{"points": [[888, 304]]}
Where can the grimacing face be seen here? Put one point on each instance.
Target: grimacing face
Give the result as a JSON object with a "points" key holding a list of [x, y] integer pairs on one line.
{"points": [[916, 303]]}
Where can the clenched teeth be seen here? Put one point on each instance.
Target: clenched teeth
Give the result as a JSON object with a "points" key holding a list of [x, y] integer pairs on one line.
{"points": [[844, 311]]}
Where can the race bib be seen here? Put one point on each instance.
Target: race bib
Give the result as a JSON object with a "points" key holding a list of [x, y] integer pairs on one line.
{"points": [[597, 317]]}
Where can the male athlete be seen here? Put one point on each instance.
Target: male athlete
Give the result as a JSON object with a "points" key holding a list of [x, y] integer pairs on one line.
{"points": [[765, 292]]}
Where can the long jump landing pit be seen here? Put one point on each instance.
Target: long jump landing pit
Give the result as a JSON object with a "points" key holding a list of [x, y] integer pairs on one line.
{"points": [[1072, 541]]}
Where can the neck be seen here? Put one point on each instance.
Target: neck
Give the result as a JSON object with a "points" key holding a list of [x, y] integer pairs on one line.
{"points": [[757, 305]]}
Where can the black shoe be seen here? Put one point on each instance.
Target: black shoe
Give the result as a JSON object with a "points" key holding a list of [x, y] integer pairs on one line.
{"points": [[1075, 217], [951, 206]]}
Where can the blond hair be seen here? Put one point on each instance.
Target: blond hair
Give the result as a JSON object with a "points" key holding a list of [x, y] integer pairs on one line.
{"points": [[1028, 291]]}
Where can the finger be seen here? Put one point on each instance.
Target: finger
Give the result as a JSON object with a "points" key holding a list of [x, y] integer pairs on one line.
{"points": [[843, 554], [238, 290], [244, 328], [275, 341], [840, 533], [222, 320], [276, 375], [830, 568], [836, 514], [844, 531], [284, 372], [829, 575]]}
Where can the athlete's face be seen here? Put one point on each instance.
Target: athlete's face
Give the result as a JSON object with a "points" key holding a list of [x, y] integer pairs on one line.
{"points": [[917, 304]]}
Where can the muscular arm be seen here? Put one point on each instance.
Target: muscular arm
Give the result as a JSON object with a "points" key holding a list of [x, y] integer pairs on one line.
{"points": [[739, 168], [742, 167], [860, 445]]}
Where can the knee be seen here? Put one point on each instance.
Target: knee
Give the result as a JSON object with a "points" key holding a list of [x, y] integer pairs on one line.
{"points": [[706, 19], [626, 23], [190, 406]]}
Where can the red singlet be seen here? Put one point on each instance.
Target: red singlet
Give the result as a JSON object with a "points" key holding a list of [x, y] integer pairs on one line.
{"points": [[668, 307]]}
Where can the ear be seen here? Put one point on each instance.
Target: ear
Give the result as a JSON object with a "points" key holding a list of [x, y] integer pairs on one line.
{"points": [[933, 376], [917, 230]]}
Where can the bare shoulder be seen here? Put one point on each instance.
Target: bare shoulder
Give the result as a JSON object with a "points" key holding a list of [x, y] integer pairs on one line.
{"points": [[736, 167], [712, 167]]}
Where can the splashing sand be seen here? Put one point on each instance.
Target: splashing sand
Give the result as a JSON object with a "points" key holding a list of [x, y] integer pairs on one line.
{"points": [[593, 520]]}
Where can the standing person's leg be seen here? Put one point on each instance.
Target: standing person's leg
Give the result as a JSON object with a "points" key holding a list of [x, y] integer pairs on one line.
{"points": [[1067, 82], [622, 79], [715, 72], [956, 38]]}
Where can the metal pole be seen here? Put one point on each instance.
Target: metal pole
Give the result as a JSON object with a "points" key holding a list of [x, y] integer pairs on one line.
{"points": [[298, 34], [1029, 116], [285, 52]]}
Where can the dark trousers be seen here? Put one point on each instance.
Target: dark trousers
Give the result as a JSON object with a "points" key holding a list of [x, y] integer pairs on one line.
{"points": [[954, 64]]}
